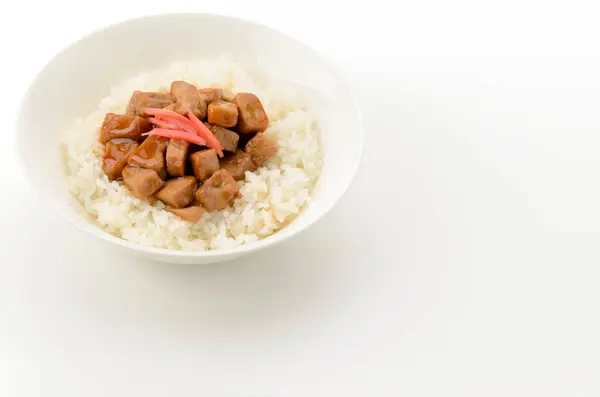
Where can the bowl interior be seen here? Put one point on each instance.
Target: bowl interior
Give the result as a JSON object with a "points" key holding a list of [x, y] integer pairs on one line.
{"points": [[73, 83]]}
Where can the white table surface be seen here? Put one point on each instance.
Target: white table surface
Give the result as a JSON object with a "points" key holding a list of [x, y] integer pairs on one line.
{"points": [[470, 269]]}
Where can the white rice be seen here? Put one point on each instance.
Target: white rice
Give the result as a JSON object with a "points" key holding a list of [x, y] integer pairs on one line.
{"points": [[271, 197]]}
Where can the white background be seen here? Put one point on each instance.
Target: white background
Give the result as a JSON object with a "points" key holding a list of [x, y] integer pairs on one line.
{"points": [[463, 261]]}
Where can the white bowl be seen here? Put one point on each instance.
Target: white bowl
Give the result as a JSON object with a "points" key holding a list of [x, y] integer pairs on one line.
{"points": [[73, 83]]}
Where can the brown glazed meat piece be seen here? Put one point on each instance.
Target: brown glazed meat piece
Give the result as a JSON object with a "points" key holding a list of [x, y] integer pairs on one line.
{"points": [[118, 152], [261, 149], [176, 157], [141, 100], [187, 99], [252, 116], [142, 182], [204, 163], [210, 95], [237, 164], [178, 192], [223, 113], [227, 95], [151, 155], [229, 139], [191, 214], [123, 126], [218, 191]]}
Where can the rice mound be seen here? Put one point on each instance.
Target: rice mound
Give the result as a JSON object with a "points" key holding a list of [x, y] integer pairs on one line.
{"points": [[271, 197]]}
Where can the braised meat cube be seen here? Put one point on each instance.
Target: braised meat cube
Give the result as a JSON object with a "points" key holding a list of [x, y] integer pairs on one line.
{"points": [[223, 113], [227, 95], [261, 149], [176, 157], [187, 99], [123, 126], [178, 192], [218, 191], [151, 155], [141, 100], [191, 214], [118, 152], [210, 95], [216, 94], [180, 89], [229, 139], [204, 163], [237, 164], [252, 116], [142, 182]]}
